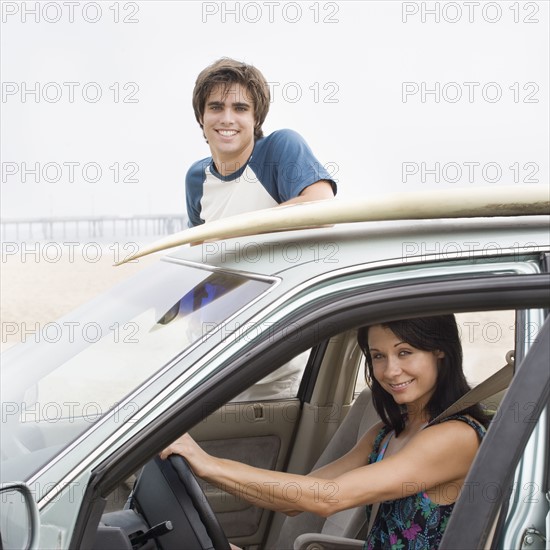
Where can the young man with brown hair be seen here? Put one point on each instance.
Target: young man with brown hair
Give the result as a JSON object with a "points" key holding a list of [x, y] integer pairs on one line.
{"points": [[246, 171]]}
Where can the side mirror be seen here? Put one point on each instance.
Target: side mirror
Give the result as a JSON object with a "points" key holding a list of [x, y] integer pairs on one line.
{"points": [[19, 520]]}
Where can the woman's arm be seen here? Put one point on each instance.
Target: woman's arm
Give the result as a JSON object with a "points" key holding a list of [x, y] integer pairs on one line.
{"points": [[437, 455], [279, 491], [355, 458]]}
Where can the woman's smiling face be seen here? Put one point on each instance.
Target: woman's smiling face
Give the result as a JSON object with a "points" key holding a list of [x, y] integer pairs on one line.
{"points": [[408, 374]]}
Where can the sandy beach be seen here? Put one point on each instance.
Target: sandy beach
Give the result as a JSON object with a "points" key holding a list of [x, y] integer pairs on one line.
{"points": [[37, 288]]}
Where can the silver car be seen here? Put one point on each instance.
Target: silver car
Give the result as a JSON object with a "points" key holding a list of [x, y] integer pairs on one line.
{"points": [[204, 340]]}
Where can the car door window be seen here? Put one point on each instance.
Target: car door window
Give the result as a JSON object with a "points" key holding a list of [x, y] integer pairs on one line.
{"points": [[283, 383]]}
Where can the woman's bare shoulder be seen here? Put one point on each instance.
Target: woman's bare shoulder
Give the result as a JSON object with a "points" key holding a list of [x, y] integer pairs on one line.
{"points": [[454, 433]]}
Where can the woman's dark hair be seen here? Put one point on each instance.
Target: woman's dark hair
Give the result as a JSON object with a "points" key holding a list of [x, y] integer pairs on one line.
{"points": [[438, 333]]}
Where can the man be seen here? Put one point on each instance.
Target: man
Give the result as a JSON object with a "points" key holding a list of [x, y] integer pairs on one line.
{"points": [[246, 171]]}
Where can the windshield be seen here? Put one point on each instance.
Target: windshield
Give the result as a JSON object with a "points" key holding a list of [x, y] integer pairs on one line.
{"points": [[85, 364]]}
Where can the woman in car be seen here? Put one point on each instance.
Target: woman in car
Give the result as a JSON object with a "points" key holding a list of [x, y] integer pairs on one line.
{"points": [[406, 471]]}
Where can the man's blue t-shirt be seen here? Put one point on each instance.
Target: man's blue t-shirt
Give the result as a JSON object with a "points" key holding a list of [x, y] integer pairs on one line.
{"points": [[281, 166]]}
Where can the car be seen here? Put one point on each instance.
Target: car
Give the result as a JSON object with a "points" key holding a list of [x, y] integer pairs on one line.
{"points": [[184, 344]]}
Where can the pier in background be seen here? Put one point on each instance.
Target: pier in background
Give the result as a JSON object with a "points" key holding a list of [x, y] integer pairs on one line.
{"points": [[96, 227]]}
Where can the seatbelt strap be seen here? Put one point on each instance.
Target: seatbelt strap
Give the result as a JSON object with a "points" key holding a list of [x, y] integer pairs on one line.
{"points": [[492, 385]]}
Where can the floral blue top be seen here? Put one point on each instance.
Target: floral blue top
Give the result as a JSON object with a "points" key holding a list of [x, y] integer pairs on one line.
{"points": [[413, 522]]}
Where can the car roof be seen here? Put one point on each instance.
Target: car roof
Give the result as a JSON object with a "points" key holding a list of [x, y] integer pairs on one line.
{"points": [[341, 245]]}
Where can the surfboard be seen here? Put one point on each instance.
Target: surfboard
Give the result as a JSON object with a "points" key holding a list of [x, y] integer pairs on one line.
{"points": [[431, 204]]}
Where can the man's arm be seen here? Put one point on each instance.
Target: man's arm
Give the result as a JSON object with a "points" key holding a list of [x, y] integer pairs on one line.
{"points": [[319, 191], [289, 171]]}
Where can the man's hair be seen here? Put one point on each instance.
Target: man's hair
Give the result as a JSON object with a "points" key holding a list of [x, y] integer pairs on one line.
{"points": [[226, 72], [438, 333]]}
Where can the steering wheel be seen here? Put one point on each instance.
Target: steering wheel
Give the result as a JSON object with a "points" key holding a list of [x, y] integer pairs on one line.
{"points": [[200, 502]]}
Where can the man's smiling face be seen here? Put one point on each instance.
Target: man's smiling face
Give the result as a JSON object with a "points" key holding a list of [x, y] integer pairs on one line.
{"points": [[228, 125]]}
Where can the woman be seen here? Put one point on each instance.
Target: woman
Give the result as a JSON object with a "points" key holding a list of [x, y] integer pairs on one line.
{"points": [[415, 371]]}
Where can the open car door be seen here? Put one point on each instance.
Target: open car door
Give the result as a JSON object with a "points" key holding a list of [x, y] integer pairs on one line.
{"points": [[496, 503]]}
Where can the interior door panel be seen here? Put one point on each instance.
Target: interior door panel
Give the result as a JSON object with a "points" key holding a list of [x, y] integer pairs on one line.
{"points": [[259, 434]]}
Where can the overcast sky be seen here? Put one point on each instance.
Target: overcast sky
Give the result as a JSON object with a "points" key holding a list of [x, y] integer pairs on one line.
{"points": [[96, 96]]}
